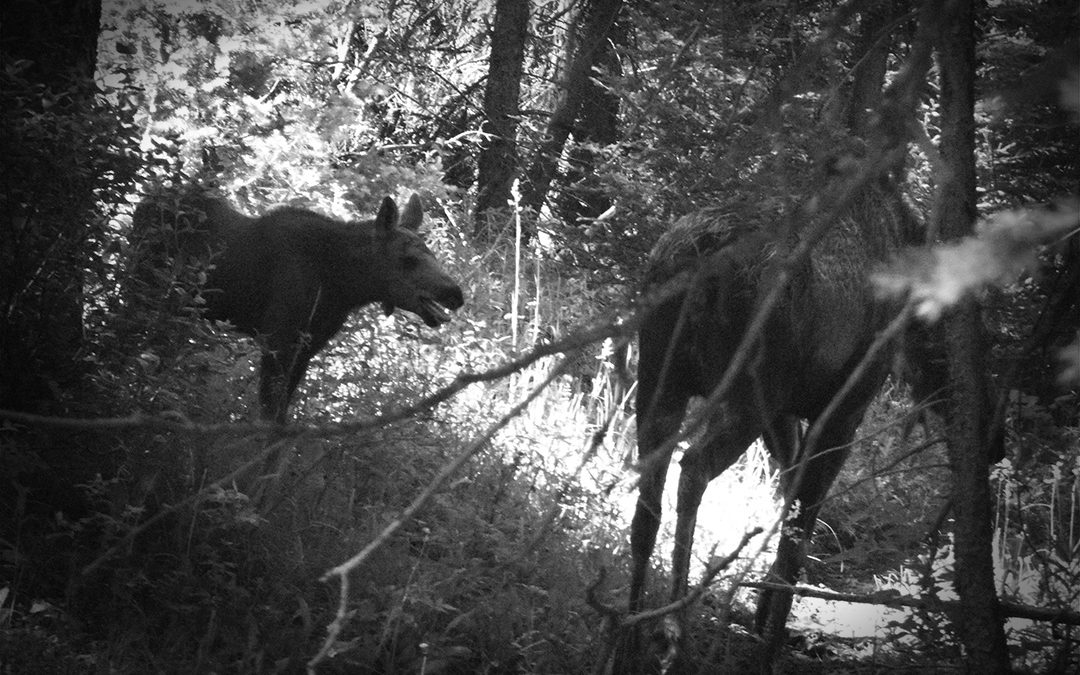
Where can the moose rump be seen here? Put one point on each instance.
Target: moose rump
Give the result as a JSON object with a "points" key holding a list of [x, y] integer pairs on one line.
{"points": [[810, 345], [290, 278]]}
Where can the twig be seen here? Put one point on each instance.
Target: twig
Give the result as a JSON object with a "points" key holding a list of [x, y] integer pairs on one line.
{"points": [[706, 580], [342, 571], [711, 571], [808, 450], [178, 423], [142, 527], [894, 599]]}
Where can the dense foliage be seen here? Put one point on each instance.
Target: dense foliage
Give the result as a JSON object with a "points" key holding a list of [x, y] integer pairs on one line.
{"points": [[139, 545]]}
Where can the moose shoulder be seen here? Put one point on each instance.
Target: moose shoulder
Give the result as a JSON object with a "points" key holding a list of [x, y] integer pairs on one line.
{"points": [[290, 278]]}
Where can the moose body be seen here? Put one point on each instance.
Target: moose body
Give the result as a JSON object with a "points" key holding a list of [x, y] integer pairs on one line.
{"points": [[813, 340], [290, 278]]}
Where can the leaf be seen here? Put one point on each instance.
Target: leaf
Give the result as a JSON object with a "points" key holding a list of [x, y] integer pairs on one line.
{"points": [[1005, 244], [1069, 358], [211, 85]]}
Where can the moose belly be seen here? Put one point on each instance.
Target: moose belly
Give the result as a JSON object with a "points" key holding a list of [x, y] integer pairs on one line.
{"points": [[835, 351]]}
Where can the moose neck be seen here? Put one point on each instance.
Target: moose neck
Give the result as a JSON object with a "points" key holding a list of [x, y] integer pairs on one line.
{"points": [[362, 269], [349, 262]]}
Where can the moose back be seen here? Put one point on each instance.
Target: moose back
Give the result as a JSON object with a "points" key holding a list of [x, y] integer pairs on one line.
{"points": [[291, 277]]}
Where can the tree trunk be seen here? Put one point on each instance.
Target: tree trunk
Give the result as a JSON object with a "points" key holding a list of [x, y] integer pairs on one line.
{"points": [[980, 623], [497, 163], [868, 72], [45, 216], [573, 90], [582, 197]]}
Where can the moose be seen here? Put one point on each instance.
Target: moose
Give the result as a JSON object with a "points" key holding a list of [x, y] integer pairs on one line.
{"points": [[811, 344], [291, 277]]}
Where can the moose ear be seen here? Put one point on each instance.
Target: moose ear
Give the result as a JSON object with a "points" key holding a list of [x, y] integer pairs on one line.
{"points": [[386, 220], [413, 215]]}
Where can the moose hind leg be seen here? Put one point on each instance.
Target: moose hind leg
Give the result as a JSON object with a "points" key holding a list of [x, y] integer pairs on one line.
{"points": [[808, 487], [726, 439], [652, 433]]}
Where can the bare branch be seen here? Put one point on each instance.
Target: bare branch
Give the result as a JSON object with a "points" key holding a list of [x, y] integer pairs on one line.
{"points": [[690, 598], [706, 580], [193, 499], [813, 435], [893, 598], [420, 501], [178, 423]]}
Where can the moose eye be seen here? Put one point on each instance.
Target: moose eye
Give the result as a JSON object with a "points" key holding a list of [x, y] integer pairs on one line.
{"points": [[410, 263]]}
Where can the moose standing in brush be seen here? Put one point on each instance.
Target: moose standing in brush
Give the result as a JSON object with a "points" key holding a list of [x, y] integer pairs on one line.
{"points": [[814, 340], [291, 277]]}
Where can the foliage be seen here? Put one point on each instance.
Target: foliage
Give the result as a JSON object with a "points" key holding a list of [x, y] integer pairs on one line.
{"points": [[69, 162], [1037, 510], [1006, 245]]}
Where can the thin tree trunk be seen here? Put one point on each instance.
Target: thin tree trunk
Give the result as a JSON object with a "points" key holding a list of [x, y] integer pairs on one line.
{"points": [[980, 622], [868, 73], [497, 163], [573, 89], [582, 197]]}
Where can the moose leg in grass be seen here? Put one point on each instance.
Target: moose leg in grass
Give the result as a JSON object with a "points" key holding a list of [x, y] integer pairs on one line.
{"points": [[812, 342], [290, 278]]}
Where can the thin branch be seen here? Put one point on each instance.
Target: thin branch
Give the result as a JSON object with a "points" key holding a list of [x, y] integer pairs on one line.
{"points": [[143, 526], [784, 272], [706, 580], [711, 572], [813, 436], [892, 598], [420, 501], [178, 423]]}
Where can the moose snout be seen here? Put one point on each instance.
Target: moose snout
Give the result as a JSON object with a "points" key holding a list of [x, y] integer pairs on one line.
{"points": [[451, 297]]}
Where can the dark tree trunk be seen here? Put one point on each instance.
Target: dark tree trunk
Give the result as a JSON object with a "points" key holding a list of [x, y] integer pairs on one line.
{"points": [[456, 117], [497, 163], [597, 123], [600, 17], [45, 216], [871, 50], [980, 621]]}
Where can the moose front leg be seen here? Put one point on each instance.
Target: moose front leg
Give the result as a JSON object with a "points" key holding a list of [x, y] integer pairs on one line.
{"points": [[322, 326], [285, 358], [273, 385]]}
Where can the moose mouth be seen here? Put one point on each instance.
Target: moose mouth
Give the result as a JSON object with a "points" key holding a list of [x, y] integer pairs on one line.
{"points": [[433, 312]]}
